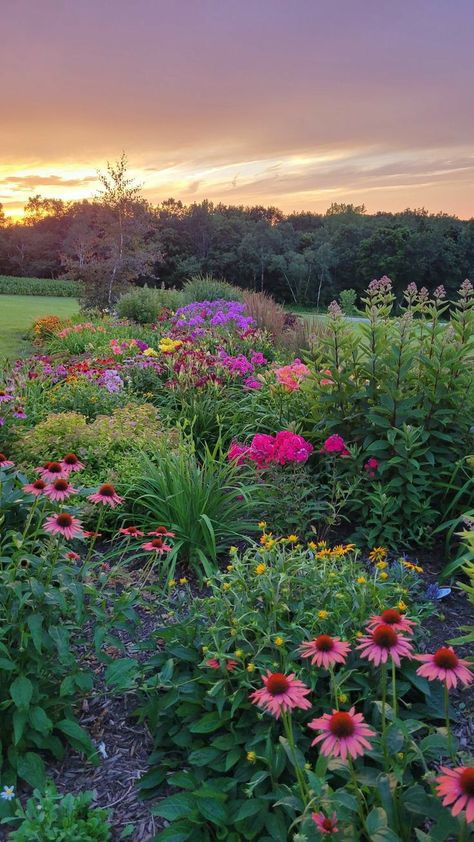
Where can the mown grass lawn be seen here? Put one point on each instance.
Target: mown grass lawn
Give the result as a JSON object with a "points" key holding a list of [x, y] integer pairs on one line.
{"points": [[17, 312]]}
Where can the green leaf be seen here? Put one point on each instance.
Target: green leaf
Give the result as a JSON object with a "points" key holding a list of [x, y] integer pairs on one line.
{"points": [[212, 810], [21, 691], [208, 723], [20, 718], [30, 767], [122, 674], [77, 736], [39, 720], [35, 623], [249, 808], [175, 806]]}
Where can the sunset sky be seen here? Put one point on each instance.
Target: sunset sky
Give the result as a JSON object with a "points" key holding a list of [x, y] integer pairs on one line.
{"points": [[294, 103]]}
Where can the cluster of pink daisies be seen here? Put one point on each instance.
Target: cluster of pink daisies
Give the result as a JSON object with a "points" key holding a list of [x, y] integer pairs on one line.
{"points": [[345, 734], [265, 450]]}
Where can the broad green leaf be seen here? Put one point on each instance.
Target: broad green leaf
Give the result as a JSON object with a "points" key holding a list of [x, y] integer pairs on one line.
{"points": [[21, 691]]}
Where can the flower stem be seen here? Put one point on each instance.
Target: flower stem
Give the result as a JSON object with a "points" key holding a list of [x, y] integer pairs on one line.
{"points": [[448, 723], [288, 729], [394, 689]]}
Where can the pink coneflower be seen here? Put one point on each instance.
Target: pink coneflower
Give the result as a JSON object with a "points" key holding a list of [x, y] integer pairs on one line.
{"points": [[161, 532], [51, 471], [281, 693], [37, 487], [324, 823], [5, 396], [444, 665], [106, 495], [325, 651], [63, 524], [214, 664], [19, 412], [4, 462], [60, 490], [343, 734], [88, 534], [382, 642], [391, 617], [156, 546], [70, 462], [72, 556], [131, 532], [456, 788]]}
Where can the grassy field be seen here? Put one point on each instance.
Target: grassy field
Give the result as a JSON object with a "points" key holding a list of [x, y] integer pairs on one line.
{"points": [[17, 312]]}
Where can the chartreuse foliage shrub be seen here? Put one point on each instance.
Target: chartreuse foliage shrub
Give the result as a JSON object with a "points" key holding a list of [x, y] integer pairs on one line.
{"points": [[208, 288], [143, 305], [402, 389], [51, 817], [10, 285], [109, 445], [233, 769]]}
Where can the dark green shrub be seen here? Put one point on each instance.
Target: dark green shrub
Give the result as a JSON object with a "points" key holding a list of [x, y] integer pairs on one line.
{"points": [[208, 288], [143, 305]]}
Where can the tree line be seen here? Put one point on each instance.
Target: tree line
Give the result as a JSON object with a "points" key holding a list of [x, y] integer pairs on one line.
{"points": [[118, 238]]}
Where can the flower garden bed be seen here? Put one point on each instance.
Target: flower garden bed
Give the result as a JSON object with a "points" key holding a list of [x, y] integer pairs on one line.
{"points": [[222, 576]]}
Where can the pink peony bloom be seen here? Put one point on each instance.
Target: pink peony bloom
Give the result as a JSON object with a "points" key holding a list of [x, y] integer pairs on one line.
{"points": [[156, 545], [281, 693], [37, 487], [343, 734], [444, 665], [63, 524], [261, 450], [291, 448], [456, 788], [51, 471], [106, 495], [335, 444], [59, 490], [392, 617], [324, 823], [371, 466], [383, 642], [325, 651], [70, 462], [237, 452]]}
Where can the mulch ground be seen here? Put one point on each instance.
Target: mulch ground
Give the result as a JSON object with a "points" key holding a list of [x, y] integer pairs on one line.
{"points": [[126, 745]]}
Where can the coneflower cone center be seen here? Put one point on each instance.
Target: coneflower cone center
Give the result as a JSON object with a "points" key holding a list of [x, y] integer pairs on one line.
{"points": [[277, 684], [328, 825], [391, 616], [385, 637], [107, 490], [61, 484], [466, 781], [445, 658], [39, 484], [64, 519], [3, 458], [157, 542], [341, 724], [324, 643], [70, 459], [54, 468]]}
